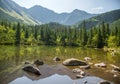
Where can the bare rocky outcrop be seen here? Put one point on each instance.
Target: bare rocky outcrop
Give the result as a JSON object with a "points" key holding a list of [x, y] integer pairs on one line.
{"points": [[74, 62], [32, 69]]}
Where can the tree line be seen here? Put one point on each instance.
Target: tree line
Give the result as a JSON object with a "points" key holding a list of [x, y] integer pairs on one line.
{"points": [[56, 34]]}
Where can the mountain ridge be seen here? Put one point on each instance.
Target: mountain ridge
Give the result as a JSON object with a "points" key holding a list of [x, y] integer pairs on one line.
{"points": [[45, 15], [13, 11], [108, 17]]}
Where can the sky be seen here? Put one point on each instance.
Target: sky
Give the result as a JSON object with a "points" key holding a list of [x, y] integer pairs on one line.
{"points": [[60, 6]]}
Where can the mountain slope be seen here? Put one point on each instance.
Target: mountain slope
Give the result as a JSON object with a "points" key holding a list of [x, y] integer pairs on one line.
{"points": [[12, 12], [108, 17], [42, 14], [45, 15]]}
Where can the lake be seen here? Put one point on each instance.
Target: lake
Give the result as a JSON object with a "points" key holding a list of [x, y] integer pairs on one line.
{"points": [[12, 59]]}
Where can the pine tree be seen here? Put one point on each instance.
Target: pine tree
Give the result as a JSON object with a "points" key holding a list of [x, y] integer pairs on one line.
{"points": [[99, 40], [90, 35], [26, 33], [84, 35], [18, 35], [35, 32]]}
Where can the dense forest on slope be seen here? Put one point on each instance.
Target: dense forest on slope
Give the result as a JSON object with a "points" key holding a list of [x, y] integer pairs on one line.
{"points": [[108, 17], [56, 34], [18, 26]]}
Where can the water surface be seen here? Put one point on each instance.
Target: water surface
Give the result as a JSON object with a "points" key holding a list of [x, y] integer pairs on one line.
{"points": [[12, 59]]}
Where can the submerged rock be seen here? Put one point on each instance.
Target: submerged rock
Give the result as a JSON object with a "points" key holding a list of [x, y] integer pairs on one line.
{"points": [[76, 70], [115, 68], [79, 76], [74, 62], [56, 59], [104, 82], [32, 69], [80, 72], [87, 59], [115, 75], [85, 67], [27, 62], [101, 65], [39, 62]]}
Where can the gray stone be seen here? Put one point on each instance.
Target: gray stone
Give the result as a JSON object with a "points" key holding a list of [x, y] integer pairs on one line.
{"points": [[79, 76], [27, 62], [101, 65], [74, 62], [87, 59], [85, 67], [32, 69], [76, 70], [39, 62], [115, 68], [56, 59], [104, 82]]}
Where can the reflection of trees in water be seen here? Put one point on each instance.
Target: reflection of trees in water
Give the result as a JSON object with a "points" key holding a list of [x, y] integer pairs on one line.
{"points": [[17, 55]]}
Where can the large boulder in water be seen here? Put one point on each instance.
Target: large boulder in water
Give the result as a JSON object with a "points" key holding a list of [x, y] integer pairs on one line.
{"points": [[74, 62], [32, 69]]}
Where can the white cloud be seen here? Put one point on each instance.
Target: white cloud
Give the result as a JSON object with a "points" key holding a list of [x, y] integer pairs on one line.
{"points": [[97, 9]]}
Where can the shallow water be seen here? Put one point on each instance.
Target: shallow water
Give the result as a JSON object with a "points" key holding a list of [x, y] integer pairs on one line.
{"points": [[12, 59]]}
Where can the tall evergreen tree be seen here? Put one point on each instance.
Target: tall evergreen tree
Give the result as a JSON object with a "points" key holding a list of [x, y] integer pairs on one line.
{"points": [[35, 32], [26, 33], [90, 35], [99, 40], [84, 35], [18, 35]]}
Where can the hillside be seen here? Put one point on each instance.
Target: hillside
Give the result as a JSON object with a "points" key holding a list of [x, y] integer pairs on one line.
{"points": [[108, 17], [12, 12], [45, 15]]}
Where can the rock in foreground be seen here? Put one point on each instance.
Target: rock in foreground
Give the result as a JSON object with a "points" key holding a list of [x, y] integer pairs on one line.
{"points": [[104, 82], [74, 62], [32, 69]]}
